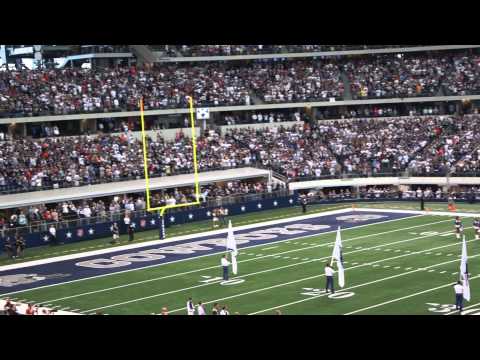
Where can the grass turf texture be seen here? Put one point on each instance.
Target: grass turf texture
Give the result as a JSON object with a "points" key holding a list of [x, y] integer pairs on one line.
{"points": [[47, 251], [398, 267]]}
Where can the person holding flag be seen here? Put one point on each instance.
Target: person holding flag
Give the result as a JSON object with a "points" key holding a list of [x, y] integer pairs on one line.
{"points": [[232, 247], [338, 257], [464, 271]]}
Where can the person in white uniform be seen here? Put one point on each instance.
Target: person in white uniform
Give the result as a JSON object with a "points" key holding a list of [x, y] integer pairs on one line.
{"points": [[190, 307], [201, 309], [329, 272], [225, 264], [458, 287]]}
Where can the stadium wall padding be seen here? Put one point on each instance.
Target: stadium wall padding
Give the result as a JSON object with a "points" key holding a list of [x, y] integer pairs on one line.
{"points": [[151, 221]]}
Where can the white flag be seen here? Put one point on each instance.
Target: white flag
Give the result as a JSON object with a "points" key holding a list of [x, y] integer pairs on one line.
{"points": [[232, 246], [337, 255], [464, 271]]}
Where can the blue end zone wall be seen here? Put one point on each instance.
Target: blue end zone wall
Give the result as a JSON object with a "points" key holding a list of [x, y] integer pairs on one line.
{"points": [[155, 255], [151, 221]]}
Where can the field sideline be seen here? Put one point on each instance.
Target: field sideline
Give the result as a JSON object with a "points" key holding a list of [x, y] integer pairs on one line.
{"points": [[398, 266]]}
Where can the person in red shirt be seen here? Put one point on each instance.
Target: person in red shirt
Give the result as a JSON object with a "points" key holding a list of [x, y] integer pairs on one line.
{"points": [[30, 310]]}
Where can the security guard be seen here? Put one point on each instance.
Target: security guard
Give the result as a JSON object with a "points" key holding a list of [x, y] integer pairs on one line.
{"points": [[458, 287], [131, 232], [304, 202], [225, 264], [329, 276]]}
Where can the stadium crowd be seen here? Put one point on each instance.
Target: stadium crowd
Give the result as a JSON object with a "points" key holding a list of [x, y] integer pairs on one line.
{"points": [[421, 145], [112, 206], [226, 50], [71, 90]]}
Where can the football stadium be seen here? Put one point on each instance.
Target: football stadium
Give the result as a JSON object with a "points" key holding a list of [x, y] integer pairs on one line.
{"points": [[240, 180]]}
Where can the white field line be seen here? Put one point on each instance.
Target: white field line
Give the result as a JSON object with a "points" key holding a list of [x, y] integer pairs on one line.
{"points": [[405, 297], [242, 261], [419, 212], [274, 269], [171, 240], [355, 286], [245, 247], [465, 307]]}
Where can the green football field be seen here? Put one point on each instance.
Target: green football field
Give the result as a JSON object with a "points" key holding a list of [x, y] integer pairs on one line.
{"points": [[405, 266]]}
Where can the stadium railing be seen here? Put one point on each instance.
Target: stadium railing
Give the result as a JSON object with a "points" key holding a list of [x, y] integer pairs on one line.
{"points": [[75, 220]]}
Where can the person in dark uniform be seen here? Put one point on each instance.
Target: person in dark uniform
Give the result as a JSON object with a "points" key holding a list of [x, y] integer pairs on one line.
{"points": [[9, 247], [19, 244], [303, 202], [131, 232], [115, 233], [215, 309]]}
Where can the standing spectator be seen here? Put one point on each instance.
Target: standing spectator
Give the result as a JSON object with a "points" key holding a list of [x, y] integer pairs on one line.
{"points": [[224, 311], [190, 307], [201, 309], [9, 247], [215, 310]]}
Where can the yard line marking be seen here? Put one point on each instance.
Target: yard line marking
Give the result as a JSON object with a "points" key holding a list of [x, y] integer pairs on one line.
{"points": [[295, 258], [466, 307], [449, 254], [351, 287], [398, 250], [355, 263], [299, 280], [428, 253], [431, 270], [397, 267], [386, 266], [271, 247], [215, 267], [375, 265], [454, 273], [443, 272], [405, 297], [437, 254]]}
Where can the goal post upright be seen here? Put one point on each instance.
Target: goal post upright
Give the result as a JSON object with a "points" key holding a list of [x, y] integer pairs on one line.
{"points": [[161, 209]]}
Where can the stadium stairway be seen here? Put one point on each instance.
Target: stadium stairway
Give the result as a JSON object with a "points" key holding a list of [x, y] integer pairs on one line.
{"points": [[347, 94], [143, 54]]}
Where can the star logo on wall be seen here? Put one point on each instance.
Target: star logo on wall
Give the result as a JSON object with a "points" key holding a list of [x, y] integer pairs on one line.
{"points": [[45, 238], [190, 216], [68, 235], [275, 203], [152, 221], [209, 213], [172, 219], [259, 206], [91, 231], [290, 201], [134, 225], [242, 208]]}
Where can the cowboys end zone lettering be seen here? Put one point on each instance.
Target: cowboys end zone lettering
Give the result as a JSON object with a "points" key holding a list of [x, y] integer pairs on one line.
{"points": [[152, 255], [194, 247]]}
